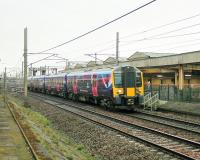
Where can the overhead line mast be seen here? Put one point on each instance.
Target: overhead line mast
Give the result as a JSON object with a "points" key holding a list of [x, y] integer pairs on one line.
{"points": [[25, 62], [117, 48]]}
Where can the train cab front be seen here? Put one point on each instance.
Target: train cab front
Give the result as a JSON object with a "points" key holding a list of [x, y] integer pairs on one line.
{"points": [[128, 87]]}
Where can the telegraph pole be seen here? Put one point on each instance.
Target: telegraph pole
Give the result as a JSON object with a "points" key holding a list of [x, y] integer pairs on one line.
{"points": [[48, 70], [25, 62], [31, 70], [22, 68], [117, 48], [95, 54], [66, 64]]}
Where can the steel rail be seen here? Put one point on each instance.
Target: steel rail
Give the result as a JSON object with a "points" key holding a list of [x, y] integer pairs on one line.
{"points": [[168, 119], [179, 112], [23, 134]]}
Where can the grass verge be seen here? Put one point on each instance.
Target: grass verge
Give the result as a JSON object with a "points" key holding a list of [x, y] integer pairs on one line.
{"points": [[51, 143]]}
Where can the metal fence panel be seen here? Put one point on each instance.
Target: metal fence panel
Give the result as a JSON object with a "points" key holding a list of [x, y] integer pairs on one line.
{"points": [[190, 93]]}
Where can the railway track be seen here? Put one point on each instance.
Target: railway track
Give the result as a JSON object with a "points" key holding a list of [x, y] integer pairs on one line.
{"points": [[171, 122], [173, 145], [181, 113], [35, 156]]}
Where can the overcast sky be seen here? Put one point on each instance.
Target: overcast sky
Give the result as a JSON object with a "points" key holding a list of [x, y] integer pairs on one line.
{"points": [[51, 22]]}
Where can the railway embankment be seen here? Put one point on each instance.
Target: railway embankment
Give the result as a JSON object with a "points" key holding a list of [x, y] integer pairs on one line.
{"points": [[47, 142]]}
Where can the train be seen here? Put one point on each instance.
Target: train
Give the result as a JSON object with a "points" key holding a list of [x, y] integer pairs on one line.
{"points": [[118, 87]]}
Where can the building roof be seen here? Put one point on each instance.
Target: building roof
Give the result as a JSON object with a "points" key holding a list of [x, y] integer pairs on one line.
{"points": [[145, 55], [113, 60], [78, 65], [93, 63]]}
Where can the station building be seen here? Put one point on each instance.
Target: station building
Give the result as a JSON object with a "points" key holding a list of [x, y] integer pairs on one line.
{"points": [[159, 68], [178, 69]]}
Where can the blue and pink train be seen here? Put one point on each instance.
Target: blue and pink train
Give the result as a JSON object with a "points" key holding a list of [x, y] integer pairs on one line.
{"points": [[120, 87]]}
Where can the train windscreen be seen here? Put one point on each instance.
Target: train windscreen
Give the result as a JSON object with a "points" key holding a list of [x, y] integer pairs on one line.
{"points": [[129, 79], [118, 79]]}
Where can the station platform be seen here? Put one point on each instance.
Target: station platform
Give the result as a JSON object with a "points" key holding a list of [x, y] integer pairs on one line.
{"points": [[12, 143]]}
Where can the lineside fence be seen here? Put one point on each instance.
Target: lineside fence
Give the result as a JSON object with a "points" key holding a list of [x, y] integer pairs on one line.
{"points": [[190, 93]]}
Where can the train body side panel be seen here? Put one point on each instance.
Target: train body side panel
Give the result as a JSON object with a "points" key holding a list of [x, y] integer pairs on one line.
{"points": [[91, 84], [104, 84]]}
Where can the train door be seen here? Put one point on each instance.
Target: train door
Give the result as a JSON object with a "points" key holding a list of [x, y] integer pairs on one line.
{"points": [[65, 83], [94, 85], [75, 87], [129, 81], [57, 81]]}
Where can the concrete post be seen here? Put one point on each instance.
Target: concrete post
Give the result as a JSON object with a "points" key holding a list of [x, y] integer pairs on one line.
{"points": [[25, 62], [117, 48], [95, 56], [176, 79], [181, 77], [48, 70], [66, 65], [22, 69]]}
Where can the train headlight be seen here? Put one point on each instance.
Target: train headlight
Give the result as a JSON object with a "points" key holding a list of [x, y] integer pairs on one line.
{"points": [[119, 91]]}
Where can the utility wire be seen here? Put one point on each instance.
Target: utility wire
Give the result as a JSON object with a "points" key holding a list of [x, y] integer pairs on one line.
{"points": [[162, 45], [179, 46], [154, 28], [176, 30], [61, 57], [82, 35], [94, 57], [151, 29], [167, 44], [106, 49], [101, 44], [161, 26], [150, 38], [42, 59], [179, 35], [164, 33]]}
